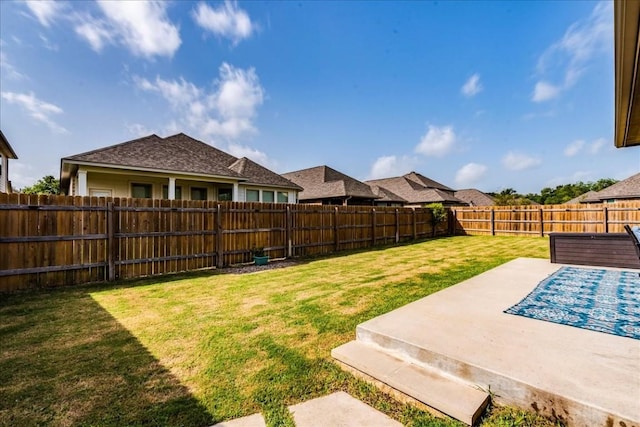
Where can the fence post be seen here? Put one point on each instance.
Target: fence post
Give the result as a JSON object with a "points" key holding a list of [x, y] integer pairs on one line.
{"points": [[111, 272], [493, 222], [541, 212], [415, 231], [336, 237], [373, 226], [605, 215], [288, 225], [397, 226], [219, 240]]}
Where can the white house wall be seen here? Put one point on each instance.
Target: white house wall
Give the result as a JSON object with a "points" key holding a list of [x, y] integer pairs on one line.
{"points": [[4, 174]]}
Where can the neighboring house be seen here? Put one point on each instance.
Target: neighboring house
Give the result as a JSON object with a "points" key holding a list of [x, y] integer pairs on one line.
{"points": [[623, 191], [327, 186], [175, 167], [6, 153], [387, 197], [581, 198], [474, 197], [418, 190]]}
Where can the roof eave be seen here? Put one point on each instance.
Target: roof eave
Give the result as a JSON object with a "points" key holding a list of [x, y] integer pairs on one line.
{"points": [[145, 169], [627, 79], [10, 153]]}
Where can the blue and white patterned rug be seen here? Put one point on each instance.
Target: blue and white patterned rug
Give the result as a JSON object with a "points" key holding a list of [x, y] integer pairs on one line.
{"points": [[599, 300]]}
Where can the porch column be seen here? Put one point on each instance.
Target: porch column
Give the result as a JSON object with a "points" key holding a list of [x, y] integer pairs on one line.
{"points": [[234, 196], [172, 188], [82, 183]]}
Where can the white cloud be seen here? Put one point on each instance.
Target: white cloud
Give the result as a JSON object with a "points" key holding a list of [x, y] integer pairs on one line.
{"points": [[21, 174], [544, 91], [519, 162], [574, 148], [226, 21], [251, 153], [597, 145], [48, 44], [388, 166], [36, 108], [573, 178], [472, 86], [226, 112], [469, 174], [45, 11], [8, 69], [138, 130], [95, 31], [141, 26], [584, 40], [437, 142]]}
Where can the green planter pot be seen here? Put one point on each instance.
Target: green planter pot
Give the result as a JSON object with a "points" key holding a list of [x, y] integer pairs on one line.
{"points": [[261, 260]]}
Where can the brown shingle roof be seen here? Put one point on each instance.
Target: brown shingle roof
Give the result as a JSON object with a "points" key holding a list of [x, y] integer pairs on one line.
{"points": [[418, 189], [581, 198], [386, 195], [257, 174], [474, 197], [426, 182], [323, 182], [177, 153], [625, 189]]}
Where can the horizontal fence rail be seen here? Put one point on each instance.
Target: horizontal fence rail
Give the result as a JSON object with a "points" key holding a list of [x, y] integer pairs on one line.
{"points": [[63, 240], [537, 220]]}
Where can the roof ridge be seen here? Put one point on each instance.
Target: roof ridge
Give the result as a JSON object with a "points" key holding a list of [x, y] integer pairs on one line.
{"points": [[120, 144]]}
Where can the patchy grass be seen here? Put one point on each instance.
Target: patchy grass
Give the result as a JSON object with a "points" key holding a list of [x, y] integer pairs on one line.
{"points": [[199, 349]]}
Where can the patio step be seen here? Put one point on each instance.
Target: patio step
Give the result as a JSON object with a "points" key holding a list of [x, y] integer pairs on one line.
{"points": [[447, 395]]}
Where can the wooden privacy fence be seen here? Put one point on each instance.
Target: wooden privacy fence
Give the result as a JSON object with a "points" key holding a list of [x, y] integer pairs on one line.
{"points": [[537, 220], [61, 240]]}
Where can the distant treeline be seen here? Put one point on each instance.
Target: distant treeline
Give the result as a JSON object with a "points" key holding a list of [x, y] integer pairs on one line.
{"points": [[550, 196]]}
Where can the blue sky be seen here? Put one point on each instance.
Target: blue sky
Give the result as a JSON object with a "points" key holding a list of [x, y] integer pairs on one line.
{"points": [[472, 94]]}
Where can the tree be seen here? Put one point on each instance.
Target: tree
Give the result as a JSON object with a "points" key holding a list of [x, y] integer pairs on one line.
{"points": [[565, 192], [509, 197], [438, 215], [45, 185]]}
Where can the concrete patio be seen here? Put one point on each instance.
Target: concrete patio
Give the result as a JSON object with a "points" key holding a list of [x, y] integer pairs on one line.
{"points": [[462, 337]]}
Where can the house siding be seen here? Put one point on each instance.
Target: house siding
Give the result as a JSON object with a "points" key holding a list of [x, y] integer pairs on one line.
{"points": [[4, 178], [119, 184]]}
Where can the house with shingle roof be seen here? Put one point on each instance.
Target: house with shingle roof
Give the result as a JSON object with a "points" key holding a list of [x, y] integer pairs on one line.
{"points": [[6, 153], [418, 190], [175, 167], [623, 191], [327, 186], [474, 197], [581, 198], [387, 197]]}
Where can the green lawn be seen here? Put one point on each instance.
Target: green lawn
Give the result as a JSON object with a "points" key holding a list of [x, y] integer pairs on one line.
{"points": [[193, 350]]}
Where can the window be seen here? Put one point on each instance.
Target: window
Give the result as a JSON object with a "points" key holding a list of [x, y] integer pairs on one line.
{"points": [[267, 196], [141, 191], [283, 197], [253, 196], [225, 194], [94, 192], [198, 193], [165, 192]]}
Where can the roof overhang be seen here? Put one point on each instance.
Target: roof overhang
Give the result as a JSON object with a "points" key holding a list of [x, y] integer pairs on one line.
{"points": [[69, 167], [627, 77], [5, 148]]}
